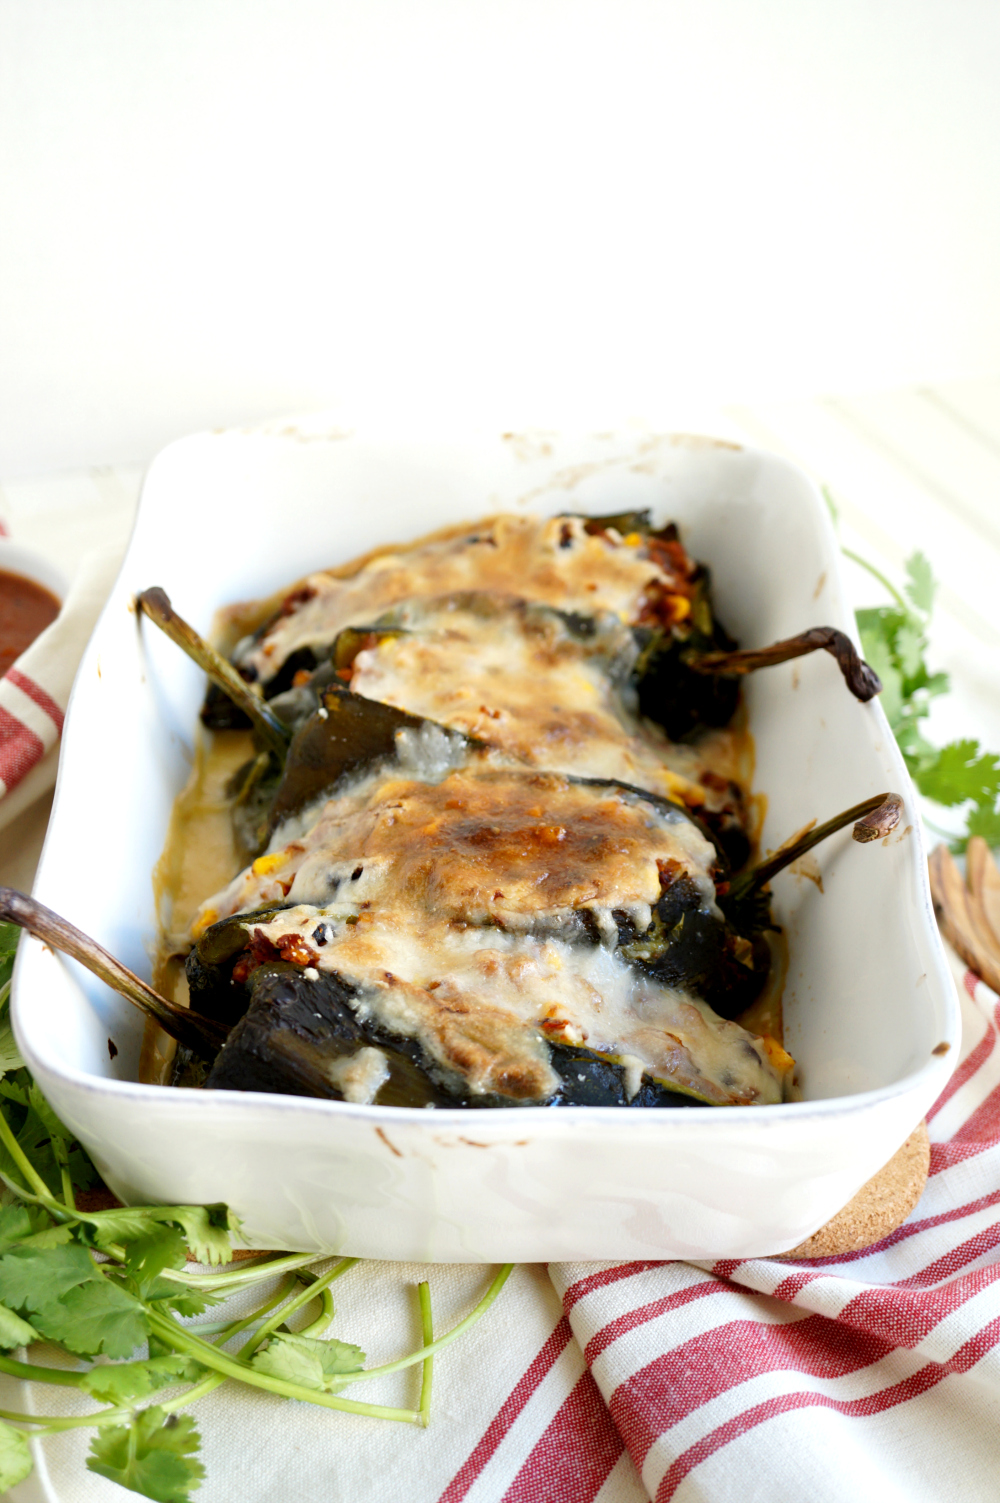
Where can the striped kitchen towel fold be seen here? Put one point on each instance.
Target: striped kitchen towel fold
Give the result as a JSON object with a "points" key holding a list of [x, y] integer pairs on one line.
{"points": [[35, 691], [873, 1376]]}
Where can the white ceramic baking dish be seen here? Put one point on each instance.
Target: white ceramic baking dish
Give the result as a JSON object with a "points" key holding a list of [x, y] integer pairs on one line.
{"points": [[868, 1001]]}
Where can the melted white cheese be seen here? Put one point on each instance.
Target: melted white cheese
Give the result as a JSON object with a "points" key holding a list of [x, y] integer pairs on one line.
{"points": [[516, 677], [551, 560], [455, 908], [358, 1076], [471, 898]]}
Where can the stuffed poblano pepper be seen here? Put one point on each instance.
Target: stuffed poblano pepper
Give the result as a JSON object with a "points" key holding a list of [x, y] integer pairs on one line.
{"points": [[688, 667], [469, 934], [499, 825], [584, 644]]}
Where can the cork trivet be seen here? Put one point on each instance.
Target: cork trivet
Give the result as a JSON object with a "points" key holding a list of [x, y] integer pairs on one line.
{"points": [[879, 1206]]}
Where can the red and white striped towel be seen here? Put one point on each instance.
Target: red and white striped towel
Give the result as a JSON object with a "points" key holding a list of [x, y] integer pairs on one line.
{"points": [[873, 1376], [34, 692]]}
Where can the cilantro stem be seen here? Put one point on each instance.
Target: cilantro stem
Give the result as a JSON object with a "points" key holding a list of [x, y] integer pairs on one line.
{"points": [[23, 1162], [67, 1187], [207, 1385], [304, 1297], [51, 1423], [32, 1371], [225, 1330], [442, 1341], [247, 1274], [207, 1354], [214, 1380], [877, 573], [323, 1319], [427, 1332]]}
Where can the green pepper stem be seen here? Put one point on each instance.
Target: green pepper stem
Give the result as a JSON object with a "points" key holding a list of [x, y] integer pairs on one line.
{"points": [[203, 1035], [156, 605], [863, 682], [874, 818]]}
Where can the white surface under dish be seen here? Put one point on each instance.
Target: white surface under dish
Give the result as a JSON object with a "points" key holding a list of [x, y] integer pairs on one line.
{"points": [[869, 1000]]}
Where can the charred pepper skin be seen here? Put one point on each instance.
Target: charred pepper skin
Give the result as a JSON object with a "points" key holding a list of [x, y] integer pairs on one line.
{"points": [[591, 1079], [692, 949], [683, 680], [293, 1029], [277, 1046]]}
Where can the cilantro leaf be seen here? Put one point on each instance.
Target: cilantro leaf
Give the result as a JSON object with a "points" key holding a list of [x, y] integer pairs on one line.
{"points": [[99, 1316], [146, 1258], [43, 1139], [50, 1236], [60, 1135], [168, 1296], [310, 1362], [921, 583], [10, 1056], [118, 1382], [15, 1225], [31, 1277], [14, 1331], [152, 1456], [909, 650], [125, 1224], [984, 822], [207, 1239], [15, 1457], [961, 772], [9, 936], [894, 638], [880, 656]]}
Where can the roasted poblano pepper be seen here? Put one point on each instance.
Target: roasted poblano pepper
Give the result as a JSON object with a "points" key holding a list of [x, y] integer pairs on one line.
{"points": [[692, 953], [688, 668], [696, 959]]}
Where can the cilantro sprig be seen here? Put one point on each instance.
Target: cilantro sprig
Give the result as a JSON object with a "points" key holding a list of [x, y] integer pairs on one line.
{"points": [[110, 1288], [894, 639]]}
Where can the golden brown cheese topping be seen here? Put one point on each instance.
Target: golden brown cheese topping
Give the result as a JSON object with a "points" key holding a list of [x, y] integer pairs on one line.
{"points": [[519, 677], [490, 898], [465, 912], [480, 846], [553, 561]]}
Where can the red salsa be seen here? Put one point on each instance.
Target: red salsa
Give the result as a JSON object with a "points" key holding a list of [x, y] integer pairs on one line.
{"points": [[26, 608]]}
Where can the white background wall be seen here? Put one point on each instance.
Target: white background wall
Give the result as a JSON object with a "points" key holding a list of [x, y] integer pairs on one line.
{"points": [[513, 211]]}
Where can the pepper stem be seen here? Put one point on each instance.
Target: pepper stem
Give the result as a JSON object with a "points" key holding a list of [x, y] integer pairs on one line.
{"points": [[863, 682], [156, 605], [203, 1035], [873, 818]]}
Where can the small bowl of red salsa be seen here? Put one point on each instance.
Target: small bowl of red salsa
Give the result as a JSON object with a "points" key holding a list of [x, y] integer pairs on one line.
{"points": [[31, 596]]}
